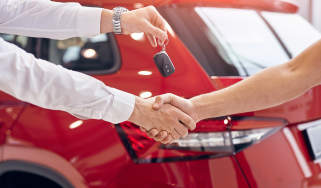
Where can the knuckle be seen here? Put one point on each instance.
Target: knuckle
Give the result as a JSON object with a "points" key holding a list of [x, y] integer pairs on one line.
{"points": [[185, 133], [152, 7], [162, 134]]}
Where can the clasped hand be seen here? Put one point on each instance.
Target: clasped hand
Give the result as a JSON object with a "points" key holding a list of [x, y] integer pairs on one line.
{"points": [[165, 118]]}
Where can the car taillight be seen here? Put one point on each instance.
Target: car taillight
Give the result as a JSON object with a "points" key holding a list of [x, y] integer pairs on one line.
{"points": [[213, 138], [227, 141]]}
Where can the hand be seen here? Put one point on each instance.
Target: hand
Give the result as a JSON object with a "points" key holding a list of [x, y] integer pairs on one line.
{"points": [[147, 20], [168, 119], [184, 105]]}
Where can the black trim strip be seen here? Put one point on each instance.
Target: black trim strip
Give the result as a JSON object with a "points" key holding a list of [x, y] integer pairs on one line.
{"points": [[286, 50]]}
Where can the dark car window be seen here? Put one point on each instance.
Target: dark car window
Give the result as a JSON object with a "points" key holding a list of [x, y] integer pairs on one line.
{"points": [[226, 42], [96, 55], [26, 43]]}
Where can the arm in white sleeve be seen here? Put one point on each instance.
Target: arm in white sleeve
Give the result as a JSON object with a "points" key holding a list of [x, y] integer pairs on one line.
{"points": [[47, 19], [53, 87]]}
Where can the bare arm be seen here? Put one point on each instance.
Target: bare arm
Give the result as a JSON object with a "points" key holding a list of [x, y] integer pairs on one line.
{"points": [[271, 87]]}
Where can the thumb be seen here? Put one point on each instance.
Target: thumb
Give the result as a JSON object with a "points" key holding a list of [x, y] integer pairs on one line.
{"points": [[162, 99], [158, 103]]}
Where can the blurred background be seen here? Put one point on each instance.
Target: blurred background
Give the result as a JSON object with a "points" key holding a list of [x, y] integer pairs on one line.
{"points": [[311, 10]]}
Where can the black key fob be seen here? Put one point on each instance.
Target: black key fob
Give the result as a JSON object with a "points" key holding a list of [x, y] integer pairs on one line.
{"points": [[164, 63]]}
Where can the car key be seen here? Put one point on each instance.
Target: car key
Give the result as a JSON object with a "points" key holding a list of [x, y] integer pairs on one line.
{"points": [[164, 63]]}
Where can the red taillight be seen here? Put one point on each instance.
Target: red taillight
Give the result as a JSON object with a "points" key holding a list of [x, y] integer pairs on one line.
{"points": [[213, 138]]}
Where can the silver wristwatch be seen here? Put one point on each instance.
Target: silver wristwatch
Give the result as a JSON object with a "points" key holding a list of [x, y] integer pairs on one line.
{"points": [[117, 12]]}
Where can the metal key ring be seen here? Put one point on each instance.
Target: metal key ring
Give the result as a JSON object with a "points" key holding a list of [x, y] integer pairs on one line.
{"points": [[165, 44]]}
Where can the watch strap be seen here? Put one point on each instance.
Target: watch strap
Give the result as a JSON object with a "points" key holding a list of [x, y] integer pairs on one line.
{"points": [[117, 12]]}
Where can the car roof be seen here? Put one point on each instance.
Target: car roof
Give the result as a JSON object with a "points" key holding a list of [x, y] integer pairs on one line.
{"points": [[288, 6]]}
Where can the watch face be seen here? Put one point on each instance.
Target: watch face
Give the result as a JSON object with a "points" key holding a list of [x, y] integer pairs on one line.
{"points": [[120, 9]]}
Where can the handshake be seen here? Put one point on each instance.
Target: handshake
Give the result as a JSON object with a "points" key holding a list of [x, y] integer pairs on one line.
{"points": [[165, 118]]}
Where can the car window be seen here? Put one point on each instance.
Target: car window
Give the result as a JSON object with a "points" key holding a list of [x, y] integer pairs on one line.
{"points": [[246, 34], [96, 55], [296, 33], [26, 43], [226, 41]]}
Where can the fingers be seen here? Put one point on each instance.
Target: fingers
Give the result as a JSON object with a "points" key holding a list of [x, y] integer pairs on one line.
{"points": [[161, 136], [185, 120], [168, 139], [159, 22], [181, 130], [175, 134], [155, 134], [152, 40], [156, 32], [188, 122], [162, 99], [158, 103], [152, 133]]}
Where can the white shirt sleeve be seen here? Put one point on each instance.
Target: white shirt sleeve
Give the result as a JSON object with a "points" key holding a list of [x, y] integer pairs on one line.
{"points": [[47, 19], [53, 87]]}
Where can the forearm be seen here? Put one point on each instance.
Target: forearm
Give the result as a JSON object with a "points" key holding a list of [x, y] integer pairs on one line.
{"points": [[106, 21], [50, 19], [268, 88], [54, 87]]}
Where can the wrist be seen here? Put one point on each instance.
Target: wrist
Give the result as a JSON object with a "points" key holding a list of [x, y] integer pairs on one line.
{"points": [[209, 105], [137, 112], [125, 21], [118, 19], [106, 25], [196, 106]]}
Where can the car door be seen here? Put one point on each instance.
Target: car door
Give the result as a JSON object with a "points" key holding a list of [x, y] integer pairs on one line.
{"points": [[10, 109]]}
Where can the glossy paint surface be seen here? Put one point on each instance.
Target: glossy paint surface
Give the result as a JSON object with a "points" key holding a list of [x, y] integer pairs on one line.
{"points": [[94, 149], [94, 153], [280, 161], [289, 6], [10, 109]]}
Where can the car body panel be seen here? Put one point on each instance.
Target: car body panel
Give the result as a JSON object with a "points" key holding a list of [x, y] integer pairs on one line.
{"points": [[280, 161], [283, 159], [94, 149], [10, 109], [289, 6], [138, 56], [222, 172], [91, 148], [15, 150]]}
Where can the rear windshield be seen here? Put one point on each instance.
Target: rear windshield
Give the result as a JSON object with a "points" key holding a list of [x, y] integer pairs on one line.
{"points": [[238, 42]]}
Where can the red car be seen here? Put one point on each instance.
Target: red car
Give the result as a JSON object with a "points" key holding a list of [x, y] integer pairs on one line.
{"points": [[213, 44]]}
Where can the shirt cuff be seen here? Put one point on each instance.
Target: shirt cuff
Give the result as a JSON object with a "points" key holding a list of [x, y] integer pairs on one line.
{"points": [[89, 21], [121, 108]]}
